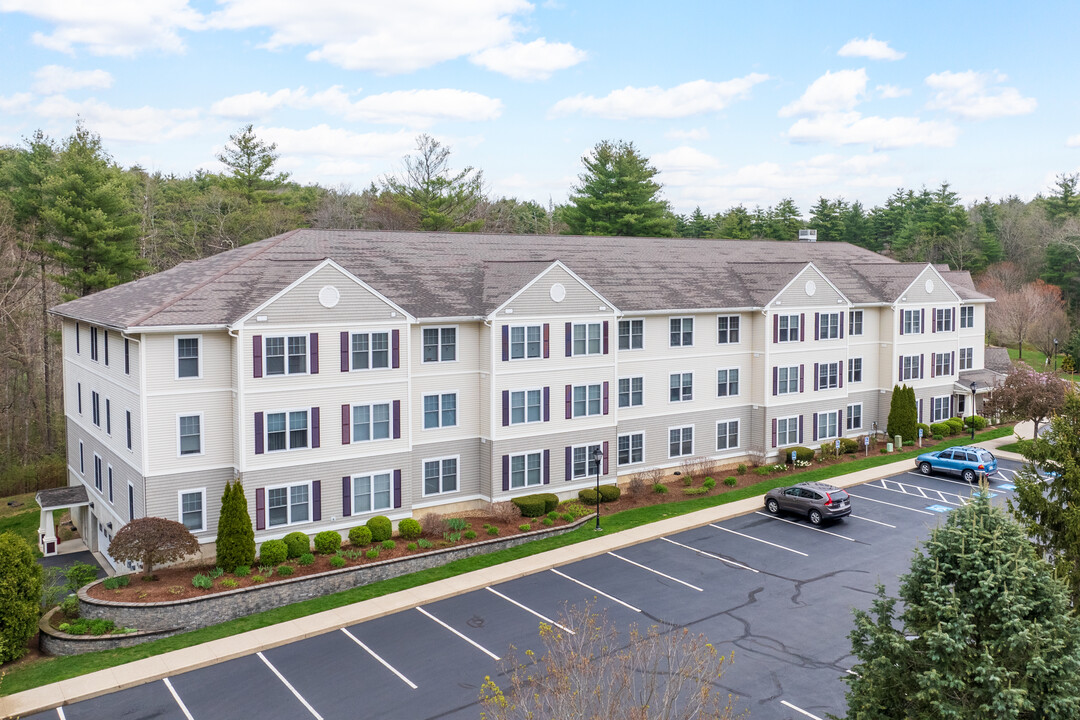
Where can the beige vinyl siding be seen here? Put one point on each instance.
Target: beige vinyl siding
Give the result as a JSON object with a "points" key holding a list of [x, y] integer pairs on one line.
{"points": [[163, 432], [469, 409], [536, 299], [114, 371], [471, 481], [655, 429], [300, 305], [795, 296], [557, 444], [215, 348], [926, 392], [469, 350], [940, 293], [122, 474], [163, 499]]}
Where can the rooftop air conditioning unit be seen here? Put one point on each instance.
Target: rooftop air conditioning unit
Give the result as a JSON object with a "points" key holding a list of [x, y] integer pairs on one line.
{"points": [[808, 236]]}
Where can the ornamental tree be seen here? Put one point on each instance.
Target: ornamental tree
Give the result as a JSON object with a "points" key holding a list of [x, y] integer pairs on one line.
{"points": [[1028, 395], [152, 541], [903, 413], [235, 535], [20, 595], [985, 630]]}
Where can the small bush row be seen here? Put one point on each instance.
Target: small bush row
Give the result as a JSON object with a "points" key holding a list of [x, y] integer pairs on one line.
{"points": [[537, 504]]}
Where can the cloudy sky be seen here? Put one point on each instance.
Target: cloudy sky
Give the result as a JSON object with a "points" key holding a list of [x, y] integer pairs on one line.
{"points": [[734, 102]]}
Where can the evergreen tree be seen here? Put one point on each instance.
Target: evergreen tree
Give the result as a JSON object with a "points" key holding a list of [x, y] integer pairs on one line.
{"points": [[235, 536], [439, 198], [251, 163], [735, 224], [903, 413], [20, 595], [855, 227], [697, 225], [785, 221], [1063, 202], [985, 631], [617, 195]]}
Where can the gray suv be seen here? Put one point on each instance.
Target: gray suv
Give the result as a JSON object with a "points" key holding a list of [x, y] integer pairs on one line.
{"points": [[815, 500]]}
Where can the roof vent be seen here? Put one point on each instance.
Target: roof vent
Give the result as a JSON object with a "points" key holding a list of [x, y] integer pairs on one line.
{"points": [[807, 235]]}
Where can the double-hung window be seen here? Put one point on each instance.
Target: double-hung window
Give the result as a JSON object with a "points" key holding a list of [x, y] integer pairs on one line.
{"points": [[190, 434], [584, 463], [371, 351], [631, 448], [127, 422], [440, 476], [787, 431], [939, 408], [631, 392], [681, 332], [192, 509], [943, 321], [78, 392], [967, 316], [286, 355], [526, 341], [910, 367], [526, 407], [526, 469], [440, 344], [827, 426], [854, 370], [97, 471], [855, 321], [288, 504], [787, 380], [440, 410], [727, 435], [188, 358], [372, 492], [912, 322], [108, 416], [95, 407], [93, 343], [854, 417], [828, 326], [587, 400], [787, 328], [942, 364], [370, 422], [727, 329], [105, 346], [286, 430], [588, 338], [681, 441], [967, 360], [631, 334], [682, 387], [727, 382], [828, 376]]}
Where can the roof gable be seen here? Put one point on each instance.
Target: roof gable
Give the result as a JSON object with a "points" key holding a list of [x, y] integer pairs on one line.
{"points": [[809, 288], [928, 286], [557, 290]]}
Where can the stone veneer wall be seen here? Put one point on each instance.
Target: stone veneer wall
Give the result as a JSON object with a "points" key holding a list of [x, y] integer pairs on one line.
{"points": [[53, 642]]}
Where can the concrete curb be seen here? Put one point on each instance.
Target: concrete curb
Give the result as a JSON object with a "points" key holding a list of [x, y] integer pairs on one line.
{"points": [[172, 663]]}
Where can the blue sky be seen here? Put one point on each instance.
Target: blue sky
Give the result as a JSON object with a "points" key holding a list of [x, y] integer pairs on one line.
{"points": [[733, 102]]}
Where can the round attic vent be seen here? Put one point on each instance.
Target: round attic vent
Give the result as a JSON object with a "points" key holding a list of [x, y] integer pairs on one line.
{"points": [[558, 292], [929, 286], [811, 287], [329, 296]]}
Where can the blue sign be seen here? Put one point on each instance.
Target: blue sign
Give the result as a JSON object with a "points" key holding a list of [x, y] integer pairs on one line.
{"points": [[1006, 486], [939, 508]]}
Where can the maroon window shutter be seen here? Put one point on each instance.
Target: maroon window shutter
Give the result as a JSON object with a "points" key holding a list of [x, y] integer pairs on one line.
{"points": [[816, 375], [815, 427], [547, 403], [920, 410], [605, 397], [344, 352], [802, 327], [316, 500], [397, 419], [256, 355], [605, 337], [840, 374], [395, 348], [774, 432], [506, 473], [901, 314], [315, 432], [505, 407], [932, 356], [952, 361], [921, 374], [346, 496], [800, 428], [260, 509], [922, 320], [397, 488], [817, 326], [841, 326], [840, 422], [605, 457], [569, 401], [313, 341], [933, 320], [547, 467], [952, 406], [505, 342], [569, 339], [258, 433], [776, 328], [547, 340], [802, 377], [346, 425], [900, 369], [775, 379], [569, 463]]}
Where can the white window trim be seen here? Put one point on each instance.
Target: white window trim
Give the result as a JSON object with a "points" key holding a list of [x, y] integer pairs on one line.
{"points": [[78, 390], [573, 402], [960, 359], [847, 416], [693, 332], [288, 440], [798, 327], [729, 369], [202, 347], [692, 385], [108, 417], [617, 335], [862, 370], [738, 425], [202, 434], [917, 313], [130, 500], [588, 459], [825, 367], [839, 430], [631, 378], [789, 419], [573, 350], [510, 405], [839, 327], [915, 369], [622, 435], [789, 368], [95, 408], [960, 313], [526, 326], [99, 462], [440, 426], [288, 503], [525, 454], [440, 328], [180, 505], [129, 429], [423, 477], [693, 440], [307, 354], [947, 405], [369, 333], [82, 459], [109, 482], [851, 323], [729, 342]]}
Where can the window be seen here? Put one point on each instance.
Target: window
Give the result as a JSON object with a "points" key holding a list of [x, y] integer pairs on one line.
{"points": [[855, 322], [939, 409], [967, 316], [854, 370], [587, 400], [526, 341], [286, 430], [787, 431], [286, 355], [942, 364], [372, 492], [631, 448], [190, 434], [93, 344], [584, 465], [682, 387], [943, 320], [588, 339], [192, 509], [525, 406], [826, 426], [727, 329], [371, 351], [727, 435], [82, 459], [682, 332], [631, 334], [370, 422], [828, 376], [788, 328], [97, 471], [967, 358], [440, 344], [108, 417], [440, 410], [854, 417], [787, 380], [188, 360], [288, 504], [105, 345], [828, 326], [681, 441], [78, 349], [631, 392], [95, 408], [440, 476], [127, 357], [912, 322], [127, 423], [910, 367], [727, 382], [131, 502], [110, 483], [525, 469], [78, 392]]}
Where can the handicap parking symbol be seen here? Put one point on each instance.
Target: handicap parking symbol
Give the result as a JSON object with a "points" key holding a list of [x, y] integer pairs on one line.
{"points": [[1006, 486], [939, 508]]}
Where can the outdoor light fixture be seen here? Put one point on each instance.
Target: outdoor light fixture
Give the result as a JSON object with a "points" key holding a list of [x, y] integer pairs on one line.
{"points": [[597, 456], [1055, 354], [973, 410]]}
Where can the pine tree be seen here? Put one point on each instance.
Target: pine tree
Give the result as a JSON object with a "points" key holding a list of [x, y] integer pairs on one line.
{"points": [[235, 535], [903, 413], [437, 197], [985, 631], [251, 163]]}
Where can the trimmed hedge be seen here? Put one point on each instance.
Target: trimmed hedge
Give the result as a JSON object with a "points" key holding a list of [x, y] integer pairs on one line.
{"points": [[926, 431], [359, 536], [297, 544], [273, 552], [551, 501], [956, 425], [849, 445], [804, 454], [531, 505], [381, 528], [940, 429], [327, 542], [980, 422], [409, 529], [588, 496], [609, 493]]}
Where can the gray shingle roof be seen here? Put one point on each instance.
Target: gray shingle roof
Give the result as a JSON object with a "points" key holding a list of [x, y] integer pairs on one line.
{"points": [[997, 359], [463, 275]]}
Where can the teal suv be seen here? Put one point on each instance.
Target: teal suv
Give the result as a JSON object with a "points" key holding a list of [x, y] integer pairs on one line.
{"points": [[967, 462]]}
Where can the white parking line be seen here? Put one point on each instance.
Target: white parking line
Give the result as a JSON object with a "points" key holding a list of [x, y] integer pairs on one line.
{"points": [[281, 677], [476, 645], [805, 527], [940, 494], [598, 592], [60, 713], [545, 618], [176, 697], [903, 507], [751, 537], [941, 479], [657, 572], [371, 652], [709, 554], [799, 709], [876, 522]]}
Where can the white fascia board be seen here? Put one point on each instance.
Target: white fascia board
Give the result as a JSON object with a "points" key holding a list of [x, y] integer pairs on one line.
{"points": [[549, 268]]}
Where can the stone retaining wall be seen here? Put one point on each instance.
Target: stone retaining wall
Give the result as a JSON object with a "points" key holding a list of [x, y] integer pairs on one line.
{"points": [[53, 642]]}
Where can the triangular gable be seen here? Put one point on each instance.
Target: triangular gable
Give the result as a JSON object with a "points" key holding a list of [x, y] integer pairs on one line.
{"points": [[541, 295], [799, 292], [918, 291]]}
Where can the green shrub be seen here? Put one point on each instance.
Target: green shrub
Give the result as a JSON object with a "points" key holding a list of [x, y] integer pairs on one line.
{"points": [[229, 583], [337, 562], [731, 481], [609, 493], [849, 445], [327, 542], [388, 544], [883, 450], [411, 546], [284, 570], [273, 552], [956, 425], [203, 582], [551, 501], [660, 489], [741, 469], [381, 528], [588, 496], [524, 527], [235, 533], [267, 569], [939, 429], [554, 514], [903, 413], [425, 544], [493, 530], [115, 583], [926, 432], [457, 524], [297, 543], [568, 517], [305, 559], [530, 505], [709, 483], [451, 537], [695, 490], [78, 574], [256, 579], [804, 454], [88, 627], [576, 509], [359, 536], [687, 480], [242, 571], [70, 607], [471, 534], [979, 422], [547, 522], [763, 471], [409, 529], [216, 573], [372, 553], [939, 437]]}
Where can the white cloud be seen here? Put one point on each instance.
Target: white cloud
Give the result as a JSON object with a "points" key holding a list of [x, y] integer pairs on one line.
{"points": [[530, 61], [684, 158], [888, 92], [852, 128], [57, 79], [341, 168], [691, 134], [870, 48], [832, 92], [110, 27], [691, 98], [17, 103], [969, 95], [325, 141], [1072, 141], [144, 124], [381, 37]]}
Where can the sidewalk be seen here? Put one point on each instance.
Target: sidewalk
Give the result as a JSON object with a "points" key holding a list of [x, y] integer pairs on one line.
{"points": [[215, 651]]}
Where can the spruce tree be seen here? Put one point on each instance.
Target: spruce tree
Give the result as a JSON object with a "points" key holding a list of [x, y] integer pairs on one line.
{"points": [[903, 413], [235, 535]]}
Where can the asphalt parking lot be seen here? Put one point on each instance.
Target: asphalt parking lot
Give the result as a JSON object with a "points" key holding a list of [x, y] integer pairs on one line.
{"points": [[775, 591]]}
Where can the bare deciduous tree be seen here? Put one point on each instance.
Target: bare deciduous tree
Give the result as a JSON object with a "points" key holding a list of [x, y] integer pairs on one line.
{"points": [[1016, 315]]}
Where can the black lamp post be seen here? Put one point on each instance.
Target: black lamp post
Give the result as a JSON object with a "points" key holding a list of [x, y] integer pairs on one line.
{"points": [[597, 456], [1055, 354], [973, 410]]}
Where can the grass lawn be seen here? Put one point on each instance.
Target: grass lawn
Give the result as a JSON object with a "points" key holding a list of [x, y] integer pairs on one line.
{"points": [[1016, 447], [1037, 361], [22, 520], [51, 670]]}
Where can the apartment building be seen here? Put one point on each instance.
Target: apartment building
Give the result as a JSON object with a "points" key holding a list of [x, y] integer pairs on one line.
{"points": [[343, 374]]}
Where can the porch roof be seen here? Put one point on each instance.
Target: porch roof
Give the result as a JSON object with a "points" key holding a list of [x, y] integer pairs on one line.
{"points": [[65, 497]]}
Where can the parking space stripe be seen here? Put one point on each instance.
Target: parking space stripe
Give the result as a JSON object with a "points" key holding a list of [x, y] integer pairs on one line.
{"points": [[902, 507], [475, 644], [804, 527], [60, 713], [598, 592], [371, 652], [876, 522], [287, 684], [800, 710], [941, 479], [960, 502], [545, 618], [176, 697], [709, 554], [751, 537], [657, 572]]}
